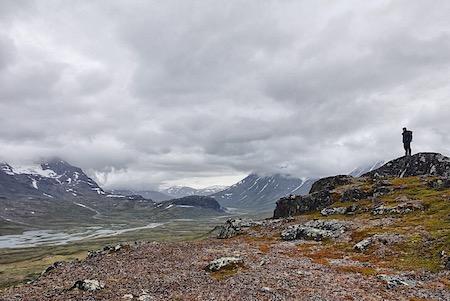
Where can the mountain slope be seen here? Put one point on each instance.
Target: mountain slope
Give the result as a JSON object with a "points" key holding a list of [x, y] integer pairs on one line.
{"points": [[182, 191], [261, 192], [52, 179], [57, 192], [148, 194], [360, 170]]}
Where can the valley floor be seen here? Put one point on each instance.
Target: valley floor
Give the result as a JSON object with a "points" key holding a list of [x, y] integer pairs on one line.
{"points": [[272, 269]]}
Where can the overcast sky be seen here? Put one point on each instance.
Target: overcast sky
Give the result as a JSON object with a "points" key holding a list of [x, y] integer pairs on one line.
{"points": [[148, 93]]}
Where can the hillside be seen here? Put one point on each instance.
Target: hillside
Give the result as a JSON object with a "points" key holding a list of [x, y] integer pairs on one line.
{"points": [[377, 237]]}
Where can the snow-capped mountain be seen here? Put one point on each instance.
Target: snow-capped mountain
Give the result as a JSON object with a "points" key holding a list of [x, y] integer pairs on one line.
{"points": [[182, 191], [52, 179], [359, 171], [261, 192], [148, 194]]}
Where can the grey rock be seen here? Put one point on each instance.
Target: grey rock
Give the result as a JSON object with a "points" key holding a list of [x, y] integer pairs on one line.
{"points": [[89, 285], [386, 239], [289, 206], [439, 184], [382, 190], [401, 208], [354, 194], [315, 230], [224, 262], [233, 227], [339, 210], [393, 281]]}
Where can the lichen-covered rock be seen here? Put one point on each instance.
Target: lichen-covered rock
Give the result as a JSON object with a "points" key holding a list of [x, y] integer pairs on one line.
{"points": [[106, 250], [330, 183], [233, 227], [339, 210], [354, 194], [290, 206], [224, 262], [393, 281], [401, 208], [315, 230], [439, 184], [417, 165], [385, 239], [236, 226], [89, 285], [382, 190]]}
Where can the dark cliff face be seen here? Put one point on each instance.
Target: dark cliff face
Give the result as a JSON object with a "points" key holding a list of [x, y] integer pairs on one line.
{"points": [[197, 201], [417, 165], [297, 204]]}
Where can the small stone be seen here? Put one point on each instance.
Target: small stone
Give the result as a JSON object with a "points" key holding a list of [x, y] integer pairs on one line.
{"points": [[266, 289], [224, 262], [127, 297], [394, 281], [89, 285]]}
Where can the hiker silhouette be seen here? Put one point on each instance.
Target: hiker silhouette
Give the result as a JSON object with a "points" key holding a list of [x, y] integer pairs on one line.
{"points": [[407, 138]]}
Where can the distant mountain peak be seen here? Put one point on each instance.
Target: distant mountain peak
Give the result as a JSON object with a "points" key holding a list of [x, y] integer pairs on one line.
{"points": [[260, 192]]}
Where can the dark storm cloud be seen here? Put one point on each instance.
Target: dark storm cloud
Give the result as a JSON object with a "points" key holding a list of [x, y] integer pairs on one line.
{"points": [[143, 93]]}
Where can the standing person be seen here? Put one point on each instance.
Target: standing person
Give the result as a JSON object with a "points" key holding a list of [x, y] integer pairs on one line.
{"points": [[407, 138]]}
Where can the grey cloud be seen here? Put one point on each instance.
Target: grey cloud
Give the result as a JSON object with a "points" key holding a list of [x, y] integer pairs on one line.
{"points": [[149, 93]]}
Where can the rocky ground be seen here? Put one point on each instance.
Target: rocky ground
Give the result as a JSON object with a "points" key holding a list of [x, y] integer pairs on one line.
{"points": [[369, 238], [269, 268]]}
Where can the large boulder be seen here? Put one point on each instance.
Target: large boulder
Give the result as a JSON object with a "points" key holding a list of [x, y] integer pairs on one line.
{"points": [[233, 227], [330, 183], [315, 230], [385, 239], [417, 165], [294, 205]]}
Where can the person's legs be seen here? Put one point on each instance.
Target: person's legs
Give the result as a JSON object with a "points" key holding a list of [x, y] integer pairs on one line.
{"points": [[405, 146]]}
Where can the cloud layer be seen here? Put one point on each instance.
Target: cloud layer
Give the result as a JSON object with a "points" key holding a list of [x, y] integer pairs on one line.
{"points": [[144, 93]]}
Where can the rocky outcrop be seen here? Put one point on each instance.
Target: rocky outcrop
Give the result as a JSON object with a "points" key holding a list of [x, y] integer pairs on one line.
{"points": [[233, 227], [417, 165], [295, 204], [401, 208], [224, 263], [315, 230], [385, 239], [237, 226], [330, 183], [354, 194]]}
